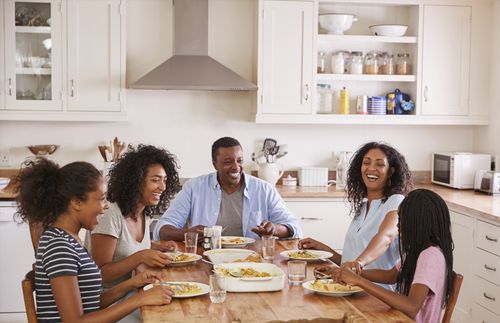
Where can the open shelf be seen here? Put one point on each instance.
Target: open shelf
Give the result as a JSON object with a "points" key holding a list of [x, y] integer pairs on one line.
{"points": [[33, 71], [368, 38], [366, 77], [33, 29]]}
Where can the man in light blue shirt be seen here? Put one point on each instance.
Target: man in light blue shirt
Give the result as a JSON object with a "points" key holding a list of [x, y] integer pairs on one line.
{"points": [[243, 204]]}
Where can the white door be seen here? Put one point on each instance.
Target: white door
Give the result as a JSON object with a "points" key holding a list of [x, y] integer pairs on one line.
{"points": [[446, 60], [33, 55], [287, 60], [95, 56], [462, 228], [2, 61]]}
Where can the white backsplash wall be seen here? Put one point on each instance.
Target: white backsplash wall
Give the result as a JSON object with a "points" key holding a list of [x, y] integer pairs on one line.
{"points": [[187, 123]]}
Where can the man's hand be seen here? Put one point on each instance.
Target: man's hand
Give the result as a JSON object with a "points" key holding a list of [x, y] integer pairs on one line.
{"points": [[266, 228]]}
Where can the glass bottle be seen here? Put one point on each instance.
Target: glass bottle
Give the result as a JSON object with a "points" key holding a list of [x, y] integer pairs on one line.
{"points": [[403, 64], [356, 63], [321, 63], [325, 98]]}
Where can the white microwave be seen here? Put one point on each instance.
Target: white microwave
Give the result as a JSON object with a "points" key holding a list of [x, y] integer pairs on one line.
{"points": [[457, 170]]}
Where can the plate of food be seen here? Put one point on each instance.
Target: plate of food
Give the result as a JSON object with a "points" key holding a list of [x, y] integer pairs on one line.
{"points": [[182, 258], [307, 255], [328, 288], [235, 242], [222, 256], [251, 276], [183, 289]]}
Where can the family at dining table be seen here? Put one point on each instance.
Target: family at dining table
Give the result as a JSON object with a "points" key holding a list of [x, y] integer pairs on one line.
{"points": [[398, 238]]}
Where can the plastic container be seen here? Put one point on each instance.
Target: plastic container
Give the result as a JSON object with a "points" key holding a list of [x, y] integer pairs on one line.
{"points": [[356, 66], [325, 98], [403, 64], [344, 101]]}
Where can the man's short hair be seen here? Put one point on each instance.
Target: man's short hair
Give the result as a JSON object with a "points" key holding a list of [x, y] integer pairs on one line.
{"points": [[224, 142]]}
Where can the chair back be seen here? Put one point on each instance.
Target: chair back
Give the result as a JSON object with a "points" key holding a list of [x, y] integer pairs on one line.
{"points": [[36, 231], [28, 284], [448, 311]]}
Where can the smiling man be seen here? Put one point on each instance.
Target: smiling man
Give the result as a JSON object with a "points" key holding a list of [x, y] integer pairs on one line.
{"points": [[243, 204]]}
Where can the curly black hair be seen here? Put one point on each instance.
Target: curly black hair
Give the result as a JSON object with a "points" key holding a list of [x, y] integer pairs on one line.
{"points": [[44, 190], [126, 179], [399, 182], [224, 142]]}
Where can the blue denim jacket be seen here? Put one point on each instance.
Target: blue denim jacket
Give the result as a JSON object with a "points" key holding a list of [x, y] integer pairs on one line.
{"points": [[198, 203]]}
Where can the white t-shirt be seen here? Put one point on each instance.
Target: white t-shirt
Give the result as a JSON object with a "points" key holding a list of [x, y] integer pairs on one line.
{"points": [[112, 223]]}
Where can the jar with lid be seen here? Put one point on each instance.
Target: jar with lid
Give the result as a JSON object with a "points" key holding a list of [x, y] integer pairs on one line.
{"points": [[403, 64], [324, 98], [356, 66], [371, 63], [338, 63], [321, 63], [388, 66]]}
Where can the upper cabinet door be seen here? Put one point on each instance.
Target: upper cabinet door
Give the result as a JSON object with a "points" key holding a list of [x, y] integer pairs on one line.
{"points": [[446, 60], [2, 74], [33, 50], [287, 60], [95, 55]]}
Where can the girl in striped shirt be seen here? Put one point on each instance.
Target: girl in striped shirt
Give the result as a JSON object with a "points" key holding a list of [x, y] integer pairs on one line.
{"points": [[67, 280]]}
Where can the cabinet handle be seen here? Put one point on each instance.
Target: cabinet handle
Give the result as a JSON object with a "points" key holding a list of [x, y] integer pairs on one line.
{"points": [[311, 218], [490, 238], [490, 268], [72, 88], [491, 298], [10, 86], [426, 93], [306, 92]]}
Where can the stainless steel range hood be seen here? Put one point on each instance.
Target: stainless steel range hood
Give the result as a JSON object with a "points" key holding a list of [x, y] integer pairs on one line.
{"points": [[190, 68]]}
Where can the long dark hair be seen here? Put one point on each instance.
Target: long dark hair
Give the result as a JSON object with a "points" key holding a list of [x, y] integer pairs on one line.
{"points": [[44, 190], [424, 221], [127, 179], [399, 182]]}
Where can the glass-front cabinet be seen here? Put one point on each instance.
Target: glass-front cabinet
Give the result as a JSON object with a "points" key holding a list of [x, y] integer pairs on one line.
{"points": [[33, 64]]}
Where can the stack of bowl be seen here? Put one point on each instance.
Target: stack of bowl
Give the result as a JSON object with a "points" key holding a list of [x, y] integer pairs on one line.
{"points": [[377, 105]]}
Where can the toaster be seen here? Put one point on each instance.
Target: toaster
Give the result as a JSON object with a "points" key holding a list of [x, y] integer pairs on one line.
{"points": [[488, 182]]}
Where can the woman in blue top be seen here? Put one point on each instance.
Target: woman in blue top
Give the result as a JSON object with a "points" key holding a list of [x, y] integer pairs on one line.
{"points": [[377, 181]]}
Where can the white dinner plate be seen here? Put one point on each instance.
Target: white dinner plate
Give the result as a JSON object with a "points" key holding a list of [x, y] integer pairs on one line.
{"points": [[355, 289], [192, 258], [318, 254], [230, 241], [204, 288]]}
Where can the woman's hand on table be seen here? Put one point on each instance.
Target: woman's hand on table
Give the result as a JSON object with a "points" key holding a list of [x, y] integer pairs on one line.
{"points": [[163, 245], [145, 277], [158, 295], [310, 243], [154, 258]]}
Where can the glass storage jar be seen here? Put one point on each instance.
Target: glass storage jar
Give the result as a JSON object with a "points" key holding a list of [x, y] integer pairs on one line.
{"points": [[321, 63], [403, 64], [371, 63], [388, 66], [324, 98], [338, 63], [356, 66]]}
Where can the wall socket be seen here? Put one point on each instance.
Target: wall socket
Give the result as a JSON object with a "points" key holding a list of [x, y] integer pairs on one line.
{"points": [[4, 158]]}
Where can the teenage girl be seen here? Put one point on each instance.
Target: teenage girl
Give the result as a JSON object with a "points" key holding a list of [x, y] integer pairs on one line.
{"points": [[425, 276], [67, 281]]}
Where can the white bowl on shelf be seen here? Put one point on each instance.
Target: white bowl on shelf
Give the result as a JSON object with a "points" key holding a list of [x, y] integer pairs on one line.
{"points": [[336, 23], [389, 30]]}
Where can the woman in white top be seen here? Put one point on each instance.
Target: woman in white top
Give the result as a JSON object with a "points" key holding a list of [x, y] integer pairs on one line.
{"points": [[377, 181], [141, 183]]}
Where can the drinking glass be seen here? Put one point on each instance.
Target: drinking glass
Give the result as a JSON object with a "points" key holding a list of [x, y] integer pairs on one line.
{"points": [[190, 242], [268, 247], [217, 288], [216, 237], [296, 272]]}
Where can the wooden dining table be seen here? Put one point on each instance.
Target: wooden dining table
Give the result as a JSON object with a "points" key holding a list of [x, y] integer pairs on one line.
{"points": [[290, 303]]}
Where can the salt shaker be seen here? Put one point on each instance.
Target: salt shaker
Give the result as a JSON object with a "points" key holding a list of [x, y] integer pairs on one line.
{"points": [[207, 238]]}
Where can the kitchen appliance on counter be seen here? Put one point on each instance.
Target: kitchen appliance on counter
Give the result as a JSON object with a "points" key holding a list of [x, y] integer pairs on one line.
{"points": [[313, 176], [457, 169], [487, 182]]}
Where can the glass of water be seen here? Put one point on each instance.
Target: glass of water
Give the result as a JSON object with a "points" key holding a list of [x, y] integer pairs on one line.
{"points": [[190, 242], [217, 290], [296, 272], [268, 244]]}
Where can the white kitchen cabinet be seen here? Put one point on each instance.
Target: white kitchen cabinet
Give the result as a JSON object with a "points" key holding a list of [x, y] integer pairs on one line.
{"points": [[82, 74], [16, 254], [446, 60], [2, 59], [462, 228], [286, 57], [324, 219]]}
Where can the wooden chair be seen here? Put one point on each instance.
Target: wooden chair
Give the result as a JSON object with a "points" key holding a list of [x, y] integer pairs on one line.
{"points": [[36, 231], [28, 284], [448, 311]]}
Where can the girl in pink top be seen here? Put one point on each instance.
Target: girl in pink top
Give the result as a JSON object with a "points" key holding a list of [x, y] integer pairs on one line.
{"points": [[424, 278]]}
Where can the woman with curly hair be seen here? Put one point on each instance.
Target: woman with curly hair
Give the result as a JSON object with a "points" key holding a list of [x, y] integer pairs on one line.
{"points": [[377, 181], [67, 280], [141, 184]]}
